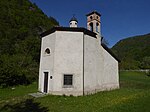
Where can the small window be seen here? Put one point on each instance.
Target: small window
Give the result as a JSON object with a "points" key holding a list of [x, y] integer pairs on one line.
{"points": [[97, 17], [68, 80], [51, 77], [47, 51]]}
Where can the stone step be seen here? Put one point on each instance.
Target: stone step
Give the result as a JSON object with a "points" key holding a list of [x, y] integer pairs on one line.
{"points": [[37, 95]]}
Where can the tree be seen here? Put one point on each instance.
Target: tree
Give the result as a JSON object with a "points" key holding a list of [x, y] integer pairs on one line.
{"points": [[18, 69], [53, 20], [145, 64], [20, 42]]}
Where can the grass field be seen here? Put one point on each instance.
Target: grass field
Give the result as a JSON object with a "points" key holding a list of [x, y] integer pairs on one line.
{"points": [[133, 96]]}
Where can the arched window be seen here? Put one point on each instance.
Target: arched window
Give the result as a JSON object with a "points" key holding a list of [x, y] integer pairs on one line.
{"points": [[97, 27], [47, 51], [91, 26]]}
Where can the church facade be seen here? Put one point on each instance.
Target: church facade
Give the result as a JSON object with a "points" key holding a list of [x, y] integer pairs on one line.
{"points": [[75, 62]]}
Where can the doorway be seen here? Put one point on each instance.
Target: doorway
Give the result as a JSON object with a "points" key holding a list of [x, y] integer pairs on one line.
{"points": [[45, 82]]}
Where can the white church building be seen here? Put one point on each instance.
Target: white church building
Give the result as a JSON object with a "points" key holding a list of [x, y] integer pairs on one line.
{"points": [[75, 62]]}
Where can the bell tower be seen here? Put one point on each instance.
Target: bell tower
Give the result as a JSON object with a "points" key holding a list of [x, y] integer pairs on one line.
{"points": [[73, 22], [93, 22]]}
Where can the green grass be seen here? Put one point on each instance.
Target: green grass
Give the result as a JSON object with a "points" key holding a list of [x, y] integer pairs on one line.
{"points": [[18, 91], [133, 96]]}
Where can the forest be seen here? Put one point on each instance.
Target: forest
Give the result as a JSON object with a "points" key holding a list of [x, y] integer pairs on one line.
{"points": [[134, 52], [21, 22]]}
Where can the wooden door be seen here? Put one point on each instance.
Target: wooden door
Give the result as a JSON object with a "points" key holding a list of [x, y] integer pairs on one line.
{"points": [[45, 82]]}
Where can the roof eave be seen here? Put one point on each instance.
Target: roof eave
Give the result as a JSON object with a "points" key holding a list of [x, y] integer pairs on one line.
{"points": [[73, 29], [93, 13], [110, 52]]}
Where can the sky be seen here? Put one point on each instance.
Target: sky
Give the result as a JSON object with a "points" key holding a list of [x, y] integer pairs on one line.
{"points": [[119, 18]]}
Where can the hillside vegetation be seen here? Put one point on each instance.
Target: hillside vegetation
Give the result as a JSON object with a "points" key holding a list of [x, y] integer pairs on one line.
{"points": [[21, 22], [134, 52]]}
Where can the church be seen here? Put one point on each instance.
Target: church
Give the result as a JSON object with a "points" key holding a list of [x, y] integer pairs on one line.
{"points": [[74, 61]]}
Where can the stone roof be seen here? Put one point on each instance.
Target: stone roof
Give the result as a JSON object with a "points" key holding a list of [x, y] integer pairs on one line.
{"points": [[110, 52], [72, 29], [93, 13], [73, 19]]}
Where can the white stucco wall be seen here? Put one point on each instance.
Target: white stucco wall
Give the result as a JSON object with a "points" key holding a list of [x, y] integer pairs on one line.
{"points": [[46, 61], [111, 78], [93, 71], [66, 58], [101, 69]]}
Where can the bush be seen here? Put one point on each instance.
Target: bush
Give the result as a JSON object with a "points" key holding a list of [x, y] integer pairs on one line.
{"points": [[17, 69]]}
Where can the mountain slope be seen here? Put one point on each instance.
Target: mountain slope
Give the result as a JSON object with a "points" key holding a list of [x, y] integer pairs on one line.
{"points": [[134, 52], [21, 22]]}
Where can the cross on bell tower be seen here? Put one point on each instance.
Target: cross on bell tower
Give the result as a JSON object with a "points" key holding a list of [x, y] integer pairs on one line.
{"points": [[93, 22]]}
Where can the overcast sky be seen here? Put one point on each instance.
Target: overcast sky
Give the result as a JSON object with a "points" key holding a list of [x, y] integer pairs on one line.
{"points": [[120, 18]]}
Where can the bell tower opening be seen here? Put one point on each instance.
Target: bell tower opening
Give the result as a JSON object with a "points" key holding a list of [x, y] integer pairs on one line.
{"points": [[91, 26], [93, 22], [97, 27]]}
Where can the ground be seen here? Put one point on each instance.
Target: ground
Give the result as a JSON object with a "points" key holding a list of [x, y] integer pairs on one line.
{"points": [[133, 96]]}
